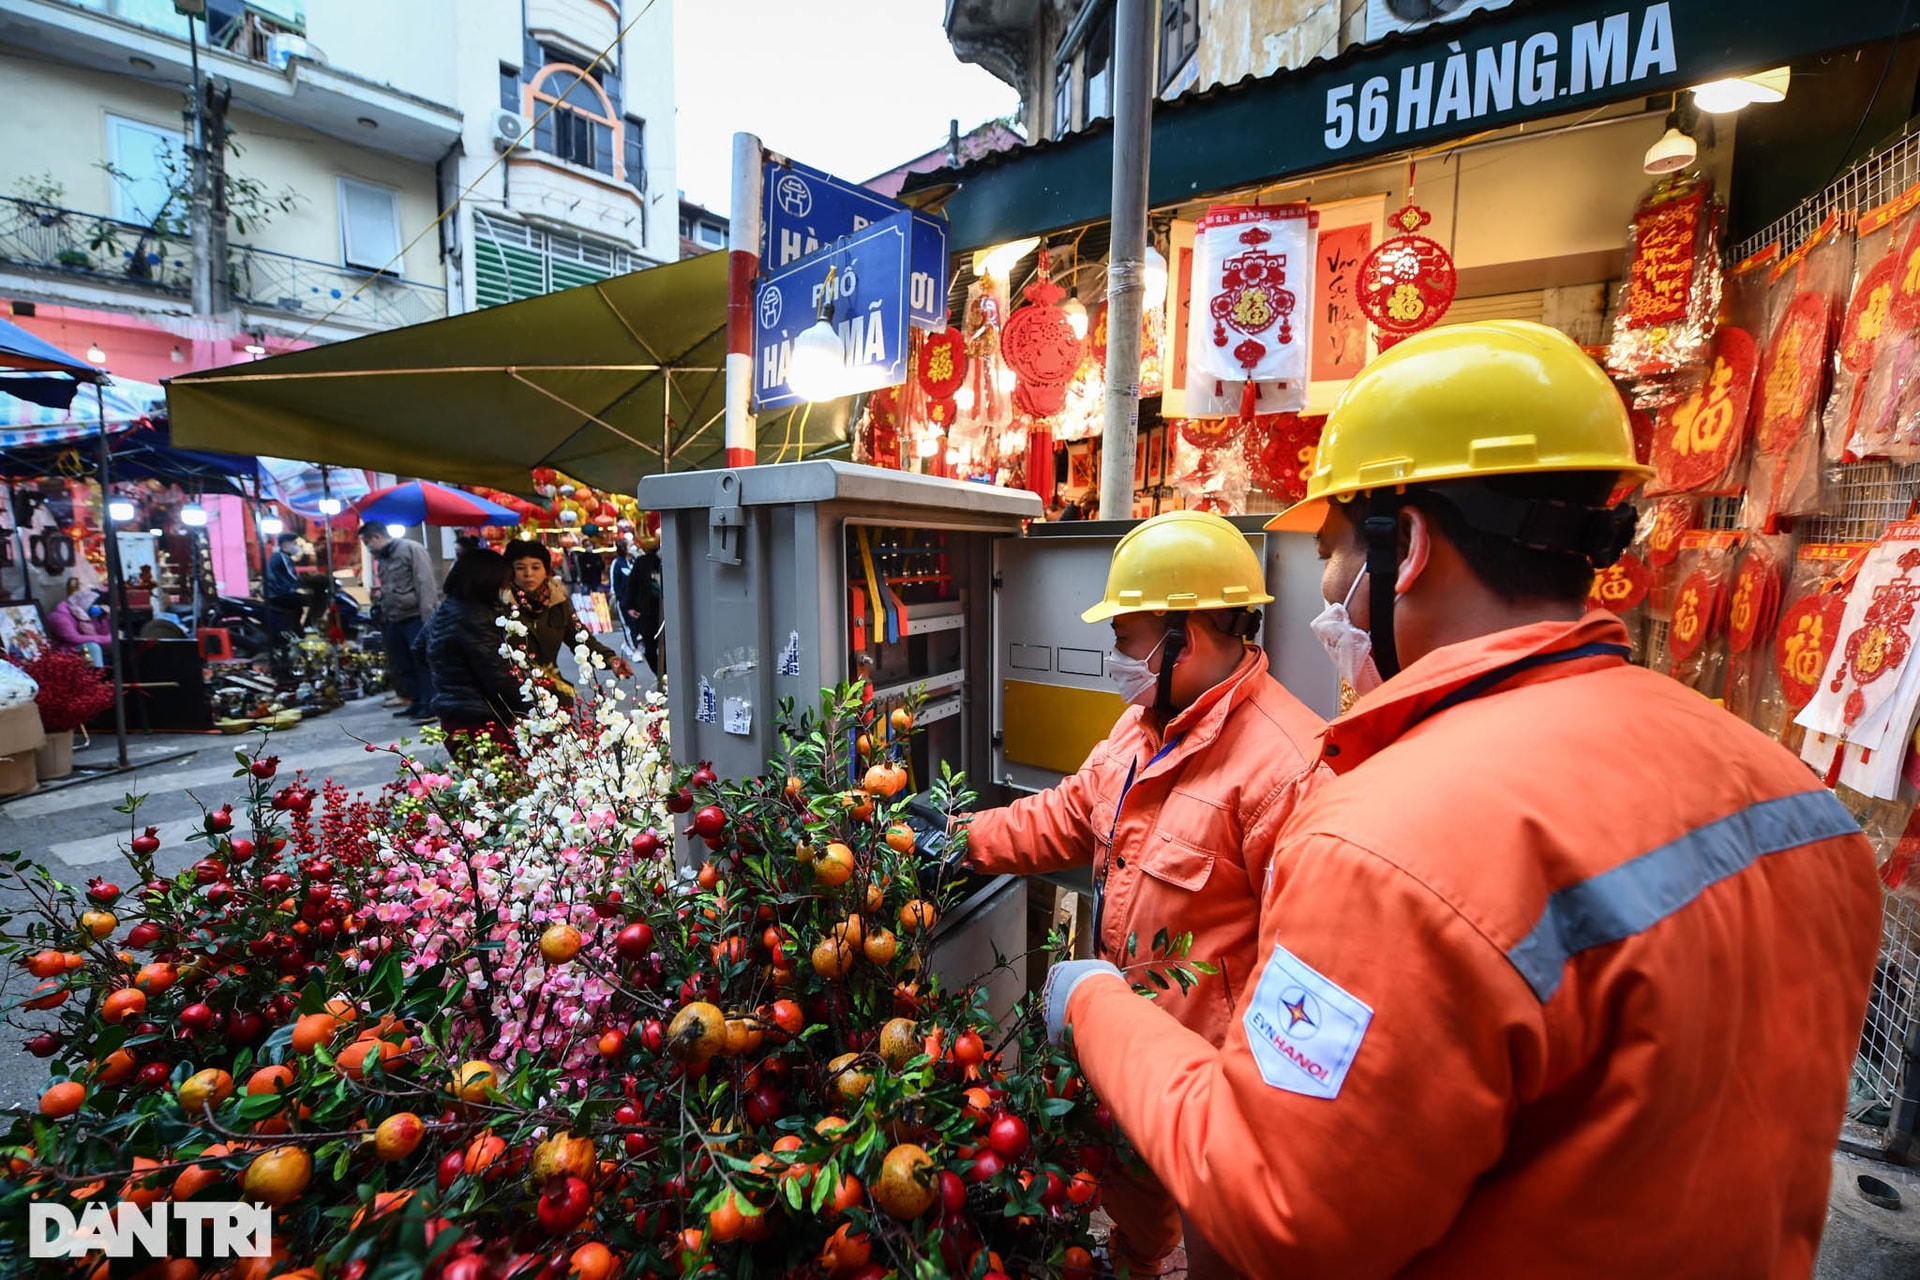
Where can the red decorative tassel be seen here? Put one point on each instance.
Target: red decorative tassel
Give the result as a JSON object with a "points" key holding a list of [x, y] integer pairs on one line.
{"points": [[1249, 402]]}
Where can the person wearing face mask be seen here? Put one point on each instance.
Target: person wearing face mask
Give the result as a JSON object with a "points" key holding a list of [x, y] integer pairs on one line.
{"points": [[1563, 974], [1177, 810]]}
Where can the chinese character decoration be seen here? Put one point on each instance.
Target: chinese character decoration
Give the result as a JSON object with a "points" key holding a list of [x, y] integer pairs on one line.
{"points": [[1672, 517], [1754, 600], [1696, 608], [1805, 639], [1041, 348], [1882, 640], [940, 370], [1904, 305], [1671, 301], [1408, 281], [1867, 316], [1249, 339], [1792, 377], [1279, 450], [877, 443], [1621, 586], [1697, 442]]}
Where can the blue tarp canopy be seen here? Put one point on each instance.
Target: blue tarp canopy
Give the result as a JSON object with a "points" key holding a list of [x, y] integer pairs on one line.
{"points": [[49, 376]]}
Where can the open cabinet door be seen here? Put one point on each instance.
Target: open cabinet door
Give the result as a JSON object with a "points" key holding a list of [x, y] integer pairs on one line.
{"points": [[1052, 702]]}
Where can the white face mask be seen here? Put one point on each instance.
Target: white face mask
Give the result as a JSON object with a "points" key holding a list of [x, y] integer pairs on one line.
{"points": [[1350, 648], [1132, 677]]}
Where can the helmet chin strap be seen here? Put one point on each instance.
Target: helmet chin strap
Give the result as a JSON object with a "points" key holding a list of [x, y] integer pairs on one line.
{"points": [[1382, 529], [1173, 646]]}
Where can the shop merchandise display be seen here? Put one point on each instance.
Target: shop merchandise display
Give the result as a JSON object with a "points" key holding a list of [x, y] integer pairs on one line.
{"points": [[1808, 289], [1704, 575], [1753, 609], [1671, 303], [1250, 335], [1407, 283]]}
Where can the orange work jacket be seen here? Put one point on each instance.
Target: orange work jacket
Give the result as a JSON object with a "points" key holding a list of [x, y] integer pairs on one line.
{"points": [[1184, 847], [1562, 976]]}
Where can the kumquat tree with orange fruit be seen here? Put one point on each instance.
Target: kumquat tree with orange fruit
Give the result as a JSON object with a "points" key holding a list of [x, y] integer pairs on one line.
{"points": [[486, 1025]]}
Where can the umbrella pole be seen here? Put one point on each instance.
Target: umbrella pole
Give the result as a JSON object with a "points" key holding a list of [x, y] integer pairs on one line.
{"points": [[19, 543], [116, 594]]}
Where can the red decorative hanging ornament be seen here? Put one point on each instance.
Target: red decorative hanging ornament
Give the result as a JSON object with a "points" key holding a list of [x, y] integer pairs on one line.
{"points": [[1884, 637], [883, 428], [1621, 586], [1696, 443], [1279, 452], [1867, 316], [1671, 518], [1041, 348], [1206, 434], [1756, 596], [1407, 283], [1695, 606], [1806, 637], [1904, 305], [941, 370], [1791, 375]]}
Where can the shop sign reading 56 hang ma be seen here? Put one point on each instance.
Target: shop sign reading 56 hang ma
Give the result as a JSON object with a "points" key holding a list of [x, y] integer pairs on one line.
{"points": [[1473, 82]]}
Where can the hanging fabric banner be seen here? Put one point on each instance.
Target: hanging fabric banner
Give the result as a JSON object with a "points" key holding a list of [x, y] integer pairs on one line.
{"points": [[1249, 335]]}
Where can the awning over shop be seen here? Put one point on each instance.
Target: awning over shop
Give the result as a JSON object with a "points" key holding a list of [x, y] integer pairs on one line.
{"points": [[1489, 71], [607, 382]]}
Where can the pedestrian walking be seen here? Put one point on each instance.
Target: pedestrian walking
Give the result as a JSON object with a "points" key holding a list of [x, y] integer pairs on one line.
{"points": [[406, 594]]}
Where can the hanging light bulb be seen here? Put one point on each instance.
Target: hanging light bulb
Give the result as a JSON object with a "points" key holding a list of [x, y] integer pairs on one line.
{"points": [[1719, 97], [396, 530], [330, 506], [95, 355], [998, 262], [818, 370], [1076, 313], [194, 516], [272, 526], [964, 399], [1007, 379], [929, 446], [1154, 279], [120, 510]]}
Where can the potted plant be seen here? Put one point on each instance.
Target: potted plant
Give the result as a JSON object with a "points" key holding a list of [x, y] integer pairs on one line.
{"points": [[72, 692]]}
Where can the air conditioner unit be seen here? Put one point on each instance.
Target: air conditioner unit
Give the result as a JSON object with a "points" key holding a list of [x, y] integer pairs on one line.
{"points": [[509, 130]]}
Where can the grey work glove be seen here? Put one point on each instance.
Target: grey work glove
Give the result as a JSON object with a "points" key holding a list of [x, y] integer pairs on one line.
{"points": [[933, 834], [1062, 978]]}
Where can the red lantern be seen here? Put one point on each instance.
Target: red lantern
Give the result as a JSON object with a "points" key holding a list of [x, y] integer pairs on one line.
{"points": [[941, 370], [1407, 283]]}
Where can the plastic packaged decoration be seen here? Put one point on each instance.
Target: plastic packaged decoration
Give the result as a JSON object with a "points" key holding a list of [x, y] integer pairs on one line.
{"points": [[1753, 610], [1670, 303], [1809, 286], [1699, 443], [1808, 630], [1696, 640]]}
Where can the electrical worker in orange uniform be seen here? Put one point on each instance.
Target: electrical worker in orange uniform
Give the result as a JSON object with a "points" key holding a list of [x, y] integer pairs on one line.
{"points": [[1177, 809], [1563, 975]]}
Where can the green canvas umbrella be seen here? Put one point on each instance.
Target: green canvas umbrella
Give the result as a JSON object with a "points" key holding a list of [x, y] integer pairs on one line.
{"points": [[607, 382]]}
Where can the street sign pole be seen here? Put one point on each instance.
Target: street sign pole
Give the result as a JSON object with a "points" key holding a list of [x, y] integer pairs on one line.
{"points": [[743, 264]]}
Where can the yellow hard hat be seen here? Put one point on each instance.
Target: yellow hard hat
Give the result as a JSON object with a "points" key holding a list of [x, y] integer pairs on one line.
{"points": [[1181, 561], [1501, 397]]}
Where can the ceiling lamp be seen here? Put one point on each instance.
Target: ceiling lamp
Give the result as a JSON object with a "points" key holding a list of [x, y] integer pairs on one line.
{"points": [[272, 526], [1154, 280], [194, 516], [95, 355], [1076, 312], [1672, 153], [999, 262], [120, 510], [1722, 96]]}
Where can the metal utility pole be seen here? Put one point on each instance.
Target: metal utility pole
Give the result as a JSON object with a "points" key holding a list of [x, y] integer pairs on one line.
{"points": [[206, 175], [1126, 260]]}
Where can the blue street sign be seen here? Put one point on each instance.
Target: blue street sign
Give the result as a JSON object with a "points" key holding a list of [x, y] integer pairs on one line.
{"points": [[804, 211], [870, 306]]}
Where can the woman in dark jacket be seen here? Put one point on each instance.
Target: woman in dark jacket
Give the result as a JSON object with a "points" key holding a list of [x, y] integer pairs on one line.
{"points": [[476, 689], [542, 605]]}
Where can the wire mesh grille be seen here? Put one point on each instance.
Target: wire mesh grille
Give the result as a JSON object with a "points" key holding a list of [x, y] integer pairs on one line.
{"points": [[1875, 180], [1863, 499]]}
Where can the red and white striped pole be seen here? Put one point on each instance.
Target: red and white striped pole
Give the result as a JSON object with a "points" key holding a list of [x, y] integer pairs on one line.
{"points": [[743, 264]]}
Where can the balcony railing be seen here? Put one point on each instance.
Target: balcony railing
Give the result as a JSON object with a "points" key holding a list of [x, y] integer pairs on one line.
{"points": [[125, 254]]}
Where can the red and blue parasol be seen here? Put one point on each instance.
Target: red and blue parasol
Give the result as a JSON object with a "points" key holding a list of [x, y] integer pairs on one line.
{"points": [[424, 502]]}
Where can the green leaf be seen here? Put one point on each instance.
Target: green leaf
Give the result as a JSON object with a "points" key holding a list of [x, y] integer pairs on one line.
{"points": [[1201, 966], [1054, 1107], [1161, 941], [1133, 944], [1159, 979]]}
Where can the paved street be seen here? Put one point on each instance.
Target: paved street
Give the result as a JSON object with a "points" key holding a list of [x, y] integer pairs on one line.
{"points": [[72, 827]]}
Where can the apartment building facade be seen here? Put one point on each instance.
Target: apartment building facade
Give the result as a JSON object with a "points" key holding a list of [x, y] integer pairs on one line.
{"points": [[388, 164]]}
